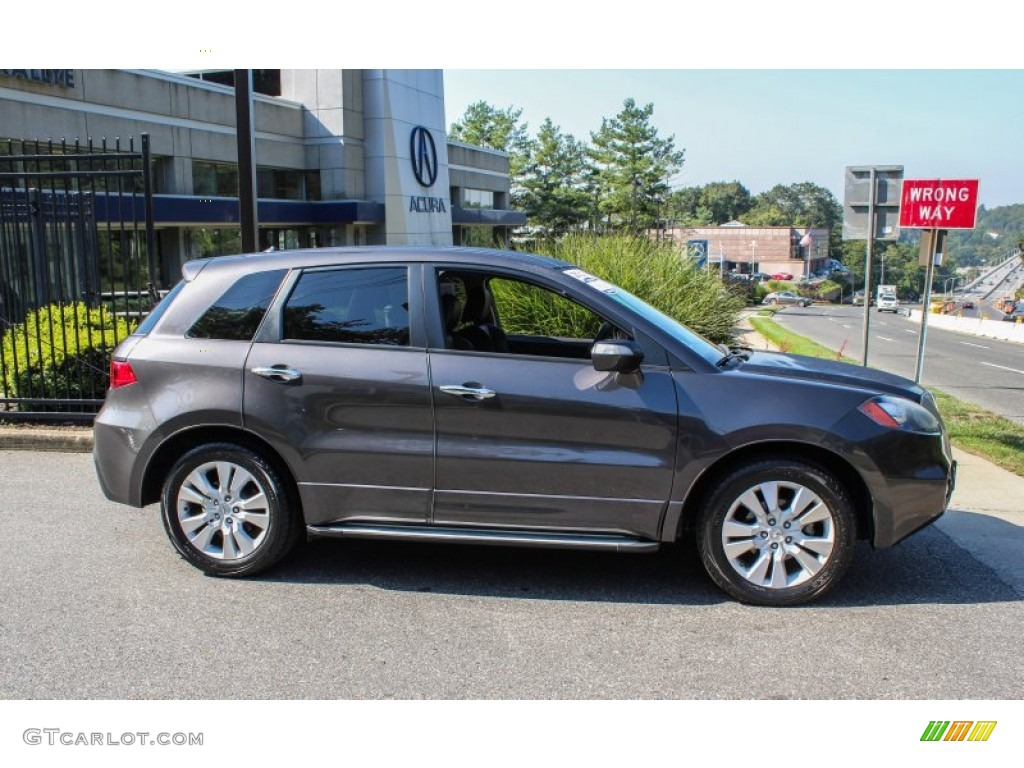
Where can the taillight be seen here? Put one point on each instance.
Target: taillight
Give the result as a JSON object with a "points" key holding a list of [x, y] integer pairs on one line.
{"points": [[121, 374]]}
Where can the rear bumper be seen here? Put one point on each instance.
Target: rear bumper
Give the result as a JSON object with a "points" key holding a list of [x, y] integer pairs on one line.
{"points": [[114, 459]]}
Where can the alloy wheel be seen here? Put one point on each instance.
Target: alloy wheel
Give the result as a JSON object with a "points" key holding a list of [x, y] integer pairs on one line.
{"points": [[778, 534], [223, 510]]}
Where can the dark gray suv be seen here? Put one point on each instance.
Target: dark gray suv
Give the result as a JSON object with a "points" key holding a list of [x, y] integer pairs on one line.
{"points": [[490, 397]]}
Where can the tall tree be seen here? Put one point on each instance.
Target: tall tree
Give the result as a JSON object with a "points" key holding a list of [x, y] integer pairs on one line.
{"points": [[726, 200], [683, 208], [796, 205], [484, 125], [554, 182], [633, 166]]}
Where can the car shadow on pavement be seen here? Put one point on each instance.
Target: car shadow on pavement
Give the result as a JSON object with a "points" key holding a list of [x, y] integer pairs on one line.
{"points": [[928, 568]]}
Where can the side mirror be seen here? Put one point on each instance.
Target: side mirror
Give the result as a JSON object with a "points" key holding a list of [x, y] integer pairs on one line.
{"points": [[618, 356]]}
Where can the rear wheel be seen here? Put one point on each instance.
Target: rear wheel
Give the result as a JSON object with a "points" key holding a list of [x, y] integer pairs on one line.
{"points": [[777, 533], [227, 512]]}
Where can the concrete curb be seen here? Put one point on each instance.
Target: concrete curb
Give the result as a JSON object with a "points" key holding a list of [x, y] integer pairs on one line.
{"points": [[31, 438]]}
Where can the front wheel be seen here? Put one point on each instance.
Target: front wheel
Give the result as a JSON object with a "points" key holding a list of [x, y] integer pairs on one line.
{"points": [[227, 512], [777, 533]]}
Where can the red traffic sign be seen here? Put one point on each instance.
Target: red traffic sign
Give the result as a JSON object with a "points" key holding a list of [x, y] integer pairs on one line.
{"points": [[939, 203]]}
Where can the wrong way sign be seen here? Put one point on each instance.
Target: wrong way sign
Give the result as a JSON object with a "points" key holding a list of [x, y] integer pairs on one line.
{"points": [[939, 203]]}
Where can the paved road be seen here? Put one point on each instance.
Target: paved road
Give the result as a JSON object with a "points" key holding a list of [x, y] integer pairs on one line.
{"points": [[96, 605], [983, 371], [997, 283]]}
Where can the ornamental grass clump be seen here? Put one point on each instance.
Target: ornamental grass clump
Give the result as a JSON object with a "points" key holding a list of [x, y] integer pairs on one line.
{"points": [[660, 275]]}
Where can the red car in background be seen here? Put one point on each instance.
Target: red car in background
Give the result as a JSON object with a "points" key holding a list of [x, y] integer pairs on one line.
{"points": [[782, 276]]}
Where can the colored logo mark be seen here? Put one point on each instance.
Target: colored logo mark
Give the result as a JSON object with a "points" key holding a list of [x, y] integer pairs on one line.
{"points": [[958, 730]]}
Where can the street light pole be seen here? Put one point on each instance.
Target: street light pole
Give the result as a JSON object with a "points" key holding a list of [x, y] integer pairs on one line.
{"points": [[246, 143]]}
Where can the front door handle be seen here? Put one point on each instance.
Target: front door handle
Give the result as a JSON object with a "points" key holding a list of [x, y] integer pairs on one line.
{"points": [[278, 373], [467, 392]]}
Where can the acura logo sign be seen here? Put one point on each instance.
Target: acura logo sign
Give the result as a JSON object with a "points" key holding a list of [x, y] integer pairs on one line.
{"points": [[424, 156]]}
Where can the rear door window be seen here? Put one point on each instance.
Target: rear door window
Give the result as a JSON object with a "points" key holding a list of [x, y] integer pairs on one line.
{"points": [[351, 305]]}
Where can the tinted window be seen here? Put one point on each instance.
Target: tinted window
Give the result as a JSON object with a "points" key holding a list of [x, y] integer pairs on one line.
{"points": [[357, 306], [158, 310], [237, 314], [530, 310]]}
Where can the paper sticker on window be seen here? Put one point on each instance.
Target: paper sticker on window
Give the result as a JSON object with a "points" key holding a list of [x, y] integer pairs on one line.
{"points": [[594, 282]]}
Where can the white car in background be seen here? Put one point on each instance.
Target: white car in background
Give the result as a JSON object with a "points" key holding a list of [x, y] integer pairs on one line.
{"points": [[888, 302]]}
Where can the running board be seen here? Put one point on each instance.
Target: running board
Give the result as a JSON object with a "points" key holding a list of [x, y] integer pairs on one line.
{"points": [[452, 535]]}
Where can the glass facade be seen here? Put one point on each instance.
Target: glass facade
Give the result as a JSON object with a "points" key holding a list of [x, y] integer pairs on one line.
{"points": [[279, 184], [214, 179], [265, 81], [221, 180], [477, 198]]}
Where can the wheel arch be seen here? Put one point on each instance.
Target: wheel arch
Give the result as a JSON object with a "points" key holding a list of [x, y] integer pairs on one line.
{"points": [[832, 462], [176, 446]]}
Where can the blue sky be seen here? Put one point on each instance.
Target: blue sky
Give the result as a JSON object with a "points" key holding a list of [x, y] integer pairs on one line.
{"points": [[767, 127], [759, 92]]}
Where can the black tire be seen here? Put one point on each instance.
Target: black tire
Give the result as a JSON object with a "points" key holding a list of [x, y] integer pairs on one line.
{"points": [[772, 560], [221, 534]]}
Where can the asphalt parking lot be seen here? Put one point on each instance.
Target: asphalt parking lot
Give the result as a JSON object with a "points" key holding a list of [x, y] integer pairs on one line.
{"points": [[98, 605]]}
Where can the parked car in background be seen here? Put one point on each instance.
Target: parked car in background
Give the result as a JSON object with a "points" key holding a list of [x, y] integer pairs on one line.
{"points": [[782, 276], [455, 395], [1016, 315], [858, 299], [786, 297]]}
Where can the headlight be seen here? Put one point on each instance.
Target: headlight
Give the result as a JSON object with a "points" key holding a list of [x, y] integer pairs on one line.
{"points": [[897, 413]]}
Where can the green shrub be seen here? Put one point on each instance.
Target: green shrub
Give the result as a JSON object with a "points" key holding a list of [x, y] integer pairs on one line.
{"points": [[655, 272], [760, 291], [62, 351]]}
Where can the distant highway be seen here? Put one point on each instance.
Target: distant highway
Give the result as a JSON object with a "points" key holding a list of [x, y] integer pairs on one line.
{"points": [[987, 372], [1003, 280]]}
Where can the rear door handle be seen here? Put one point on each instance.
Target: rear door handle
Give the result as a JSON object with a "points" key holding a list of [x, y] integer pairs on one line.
{"points": [[467, 392], [278, 373]]}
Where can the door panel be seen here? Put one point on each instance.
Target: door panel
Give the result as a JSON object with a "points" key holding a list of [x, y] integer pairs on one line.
{"points": [[344, 397], [356, 428], [558, 446]]}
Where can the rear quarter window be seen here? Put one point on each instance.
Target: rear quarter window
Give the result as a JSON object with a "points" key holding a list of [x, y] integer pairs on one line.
{"points": [[154, 317], [237, 314]]}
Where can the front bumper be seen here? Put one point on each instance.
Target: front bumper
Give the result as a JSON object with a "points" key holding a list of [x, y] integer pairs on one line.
{"points": [[905, 502]]}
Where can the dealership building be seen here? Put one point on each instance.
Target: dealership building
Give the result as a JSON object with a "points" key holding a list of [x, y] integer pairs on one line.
{"points": [[343, 157], [747, 250]]}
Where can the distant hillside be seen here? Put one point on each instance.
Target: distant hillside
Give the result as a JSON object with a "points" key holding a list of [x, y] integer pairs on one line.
{"points": [[999, 231]]}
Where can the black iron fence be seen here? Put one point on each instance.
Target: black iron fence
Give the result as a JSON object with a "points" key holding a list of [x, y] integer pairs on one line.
{"points": [[77, 270]]}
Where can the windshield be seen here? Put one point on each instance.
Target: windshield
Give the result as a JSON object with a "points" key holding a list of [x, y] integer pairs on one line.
{"points": [[673, 328]]}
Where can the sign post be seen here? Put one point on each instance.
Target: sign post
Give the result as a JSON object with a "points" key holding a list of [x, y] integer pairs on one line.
{"points": [[931, 246], [935, 205], [869, 207]]}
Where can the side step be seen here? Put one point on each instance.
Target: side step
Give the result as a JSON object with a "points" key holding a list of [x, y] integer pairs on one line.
{"points": [[500, 537]]}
